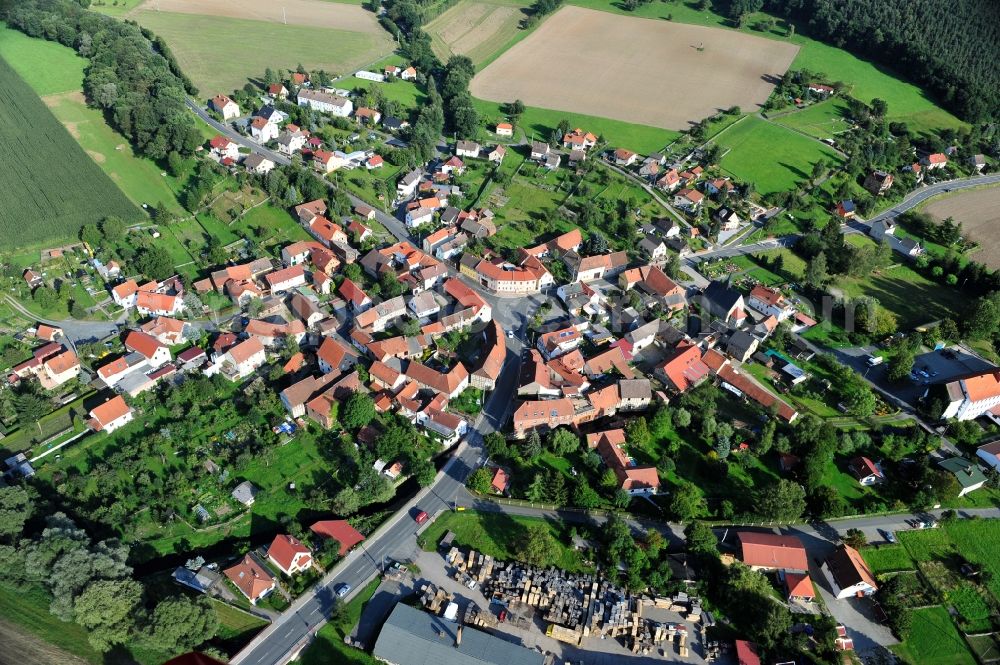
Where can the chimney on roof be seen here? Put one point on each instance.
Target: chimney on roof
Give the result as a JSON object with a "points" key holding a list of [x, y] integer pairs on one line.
{"points": [[458, 637]]}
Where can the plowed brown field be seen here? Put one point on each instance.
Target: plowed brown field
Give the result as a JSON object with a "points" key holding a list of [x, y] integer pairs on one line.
{"points": [[639, 70]]}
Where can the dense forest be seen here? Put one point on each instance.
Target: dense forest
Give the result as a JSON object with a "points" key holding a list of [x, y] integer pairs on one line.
{"points": [[951, 48], [133, 80]]}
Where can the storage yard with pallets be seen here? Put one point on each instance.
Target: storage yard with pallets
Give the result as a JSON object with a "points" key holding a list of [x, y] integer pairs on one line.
{"points": [[587, 615]]}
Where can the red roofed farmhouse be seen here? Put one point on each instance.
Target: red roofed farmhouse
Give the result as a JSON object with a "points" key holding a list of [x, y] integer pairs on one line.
{"points": [[251, 578], [768, 551], [111, 415], [289, 554]]}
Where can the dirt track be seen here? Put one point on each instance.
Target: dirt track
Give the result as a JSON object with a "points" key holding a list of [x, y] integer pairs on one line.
{"points": [[633, 69], [23, 648], [979, 212], [315, 13]]}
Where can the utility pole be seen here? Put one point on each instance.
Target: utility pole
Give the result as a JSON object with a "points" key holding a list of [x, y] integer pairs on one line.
{"points": [[284, 19]]}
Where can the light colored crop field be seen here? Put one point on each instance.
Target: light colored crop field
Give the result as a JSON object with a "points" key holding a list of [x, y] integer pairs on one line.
{"points": [[220, 53], [313, 13], [479, 30], [866, 80], [978, 211], [637, 70], [773, 157]]}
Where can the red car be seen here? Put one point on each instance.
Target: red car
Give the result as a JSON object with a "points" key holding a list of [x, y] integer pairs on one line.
{"points": [[421, 517]]}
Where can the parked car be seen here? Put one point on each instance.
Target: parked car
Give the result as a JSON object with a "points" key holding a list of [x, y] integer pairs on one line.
{"points": [[342, 589], [889, 535], [421, 517]]}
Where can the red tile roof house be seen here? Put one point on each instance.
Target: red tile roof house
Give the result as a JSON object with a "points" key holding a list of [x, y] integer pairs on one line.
{"points": [[289, 554], [848, 573], [746, 653], [111, 415], [633, 479], [288, 278], [684, 369], [865, 470], [799, 587], [155, 353], [768, 551], [341, 531], [501, 481], [251, 578]]}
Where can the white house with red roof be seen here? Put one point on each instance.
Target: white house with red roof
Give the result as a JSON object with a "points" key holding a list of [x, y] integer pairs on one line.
{"points": [[937, 160], [243, 359], [223, 148], [865, 471], [251, 578], [770, 302], [286, 279], [225, 107], [504, 129], [263, 130], [110, 415], [153, 303], [155, 353], [289, 554]]}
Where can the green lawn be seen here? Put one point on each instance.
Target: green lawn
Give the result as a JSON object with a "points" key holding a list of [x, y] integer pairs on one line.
{"points": [[823, 121], [887, 558], [979, 542], [913, 298], [498, 535], [235, 626], [48, 67], [29, 609], [329, 647], [771, 156], [406, 93], [219, 53], [60, 81], [539, 123], [934, 640]]}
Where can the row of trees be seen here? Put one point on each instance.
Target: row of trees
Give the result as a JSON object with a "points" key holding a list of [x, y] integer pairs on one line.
{"points": [[134, 81], [90, 583]]}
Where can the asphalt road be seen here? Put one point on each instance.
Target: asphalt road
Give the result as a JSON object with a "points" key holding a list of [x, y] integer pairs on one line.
{"points": [[291, 631], [918, 196]]}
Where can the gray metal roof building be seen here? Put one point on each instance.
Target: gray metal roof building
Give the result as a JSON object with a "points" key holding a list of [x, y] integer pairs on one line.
{"points": [[414, 637]]}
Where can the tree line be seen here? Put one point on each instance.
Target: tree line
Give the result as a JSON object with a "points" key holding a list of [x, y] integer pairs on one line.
{"points": [[90, 582], [950, 48], [134, 81]]}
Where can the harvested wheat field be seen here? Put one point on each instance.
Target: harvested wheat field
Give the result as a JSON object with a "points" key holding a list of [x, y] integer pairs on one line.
{"points": [[979, 213], [231, 41], [314, 13], [639, 70], [479, 30]]}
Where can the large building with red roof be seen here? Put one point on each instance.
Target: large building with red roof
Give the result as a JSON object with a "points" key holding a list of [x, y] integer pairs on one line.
{"points": [[768, 551], [341, 531]]}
